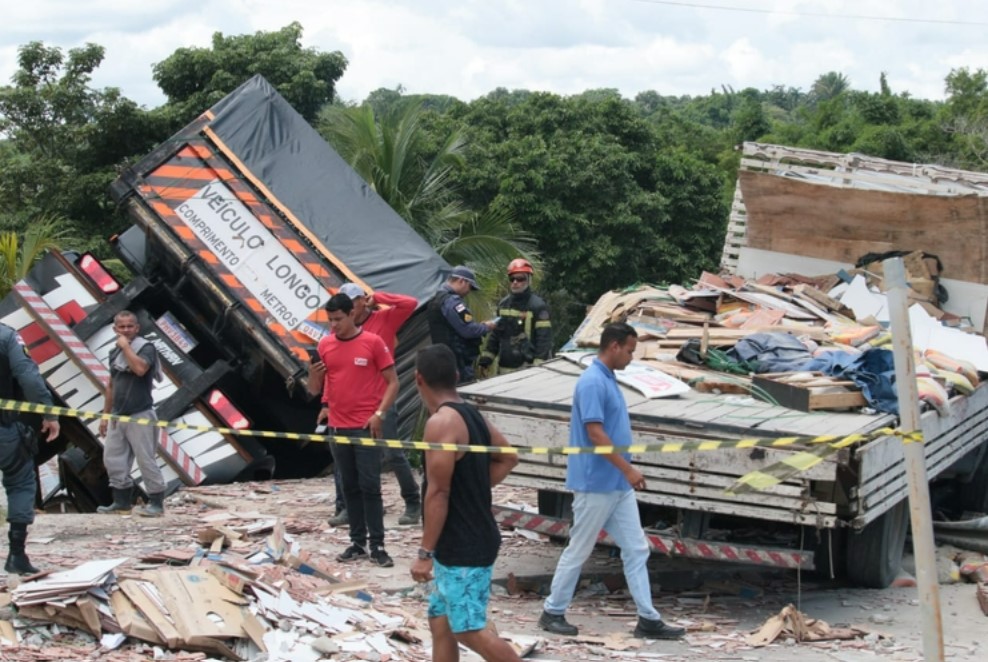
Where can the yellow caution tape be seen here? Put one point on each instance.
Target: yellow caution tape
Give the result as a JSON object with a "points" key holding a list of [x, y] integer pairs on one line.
{"points": [[825, 441]]}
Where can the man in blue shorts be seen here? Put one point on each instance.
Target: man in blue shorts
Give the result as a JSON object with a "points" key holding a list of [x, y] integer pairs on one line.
{"points": [[460, 539]]}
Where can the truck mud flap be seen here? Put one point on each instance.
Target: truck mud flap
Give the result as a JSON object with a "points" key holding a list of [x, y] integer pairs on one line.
{"points": [[663, 543]]}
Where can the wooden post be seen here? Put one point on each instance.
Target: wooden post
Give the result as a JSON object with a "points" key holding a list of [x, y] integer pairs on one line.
{"points": [[921, 517]]}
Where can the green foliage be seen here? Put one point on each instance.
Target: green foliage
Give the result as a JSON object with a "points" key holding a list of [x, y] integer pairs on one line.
{"points": [[65, 140], [828, 86], [590, 179], [18, 253], [965, 116], [411, 164], [194, 79]]}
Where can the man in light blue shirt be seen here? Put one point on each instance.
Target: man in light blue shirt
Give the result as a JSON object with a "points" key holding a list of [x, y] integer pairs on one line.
{"points": [[604, 490]]}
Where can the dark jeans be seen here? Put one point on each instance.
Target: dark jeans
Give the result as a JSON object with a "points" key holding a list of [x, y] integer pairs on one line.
{"points": [[360, 472], [394, 460]]}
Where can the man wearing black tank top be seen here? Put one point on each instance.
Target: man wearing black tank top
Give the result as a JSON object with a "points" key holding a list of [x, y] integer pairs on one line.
{"points": [[460, 539]]}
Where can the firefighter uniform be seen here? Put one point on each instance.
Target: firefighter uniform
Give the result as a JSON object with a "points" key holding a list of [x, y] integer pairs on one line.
{"points": [[522, 335]]}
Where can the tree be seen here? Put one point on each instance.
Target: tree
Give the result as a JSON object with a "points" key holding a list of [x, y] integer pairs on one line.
{"points": [[65, 140], [412, 171], [749, 121], [193, 79], [590, 179], [965, 115], [829, 86]]}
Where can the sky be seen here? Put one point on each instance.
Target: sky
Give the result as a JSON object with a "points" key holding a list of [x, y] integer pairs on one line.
{"points": [[467, 48]]}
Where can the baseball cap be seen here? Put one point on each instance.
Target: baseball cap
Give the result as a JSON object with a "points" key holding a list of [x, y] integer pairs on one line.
{"points": [[352, 290], [466, 273]]}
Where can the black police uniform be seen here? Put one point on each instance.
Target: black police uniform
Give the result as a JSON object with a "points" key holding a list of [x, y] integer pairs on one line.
{"points": [[18, 444], [451, 323]]}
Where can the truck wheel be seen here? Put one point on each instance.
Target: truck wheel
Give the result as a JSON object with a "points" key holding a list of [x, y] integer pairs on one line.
{"points": [[874, 555], [973, 495]]}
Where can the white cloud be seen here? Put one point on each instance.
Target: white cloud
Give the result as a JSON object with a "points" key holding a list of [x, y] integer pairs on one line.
{"points": [[466, 48]]}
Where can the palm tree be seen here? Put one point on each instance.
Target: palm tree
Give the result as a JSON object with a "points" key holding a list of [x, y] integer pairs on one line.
{"points": [[829, 86], [393, 154], [17, 255]]}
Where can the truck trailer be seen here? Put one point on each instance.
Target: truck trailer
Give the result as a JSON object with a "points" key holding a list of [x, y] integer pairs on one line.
{"points": [[245, 222], [806, 212]]}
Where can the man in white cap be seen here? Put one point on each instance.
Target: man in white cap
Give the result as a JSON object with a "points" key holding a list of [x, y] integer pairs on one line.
{"points": [[451, 323], [383, 314]]}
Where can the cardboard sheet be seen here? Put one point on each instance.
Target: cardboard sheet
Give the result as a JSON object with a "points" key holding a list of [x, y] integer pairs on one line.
{"points": [[647, 380]]}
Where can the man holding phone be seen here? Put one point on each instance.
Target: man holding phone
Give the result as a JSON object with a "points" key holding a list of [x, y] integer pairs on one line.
{"points": [[360, 384], [383, 314]]}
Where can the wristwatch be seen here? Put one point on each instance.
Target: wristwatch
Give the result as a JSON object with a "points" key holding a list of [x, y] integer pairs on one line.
{"points": [[425, 555], [379, 414]]}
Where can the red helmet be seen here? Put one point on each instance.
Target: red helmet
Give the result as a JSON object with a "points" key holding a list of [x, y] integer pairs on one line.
{"points": [[520, 266]]}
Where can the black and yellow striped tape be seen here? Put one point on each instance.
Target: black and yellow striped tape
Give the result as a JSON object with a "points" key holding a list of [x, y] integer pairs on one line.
{"points": [[679, 446]]}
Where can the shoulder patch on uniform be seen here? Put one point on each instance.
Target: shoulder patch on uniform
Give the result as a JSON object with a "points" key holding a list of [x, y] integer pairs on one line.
{"points": [[460, 307], [20, 341], [468, 317]]}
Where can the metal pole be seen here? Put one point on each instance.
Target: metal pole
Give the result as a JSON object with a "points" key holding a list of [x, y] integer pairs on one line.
{"points": [[920, 514]]}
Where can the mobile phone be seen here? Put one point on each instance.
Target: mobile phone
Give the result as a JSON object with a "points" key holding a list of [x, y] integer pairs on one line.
{"points": [[321, 429], [313, 355]]}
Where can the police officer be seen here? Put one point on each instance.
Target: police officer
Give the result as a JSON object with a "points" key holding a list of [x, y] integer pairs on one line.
{"points": [[451, 322], [523, 333], [18, 444]]}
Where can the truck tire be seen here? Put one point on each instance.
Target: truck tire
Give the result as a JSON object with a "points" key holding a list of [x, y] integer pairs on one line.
{"points": [[874, 554], [973, 495]]}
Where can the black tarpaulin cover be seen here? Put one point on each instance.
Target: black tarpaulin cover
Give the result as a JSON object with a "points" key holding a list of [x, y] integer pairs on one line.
{"points": [[308, 177]]}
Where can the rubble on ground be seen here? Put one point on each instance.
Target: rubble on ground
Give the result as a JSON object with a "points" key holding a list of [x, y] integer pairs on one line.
{"points": [[306, 603]]}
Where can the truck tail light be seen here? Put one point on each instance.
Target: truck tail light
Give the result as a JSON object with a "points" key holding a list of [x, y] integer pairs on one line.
{"points": [[104, 279], [230, 414]]}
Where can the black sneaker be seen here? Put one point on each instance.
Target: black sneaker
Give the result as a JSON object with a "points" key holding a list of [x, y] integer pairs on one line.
{"points": [[380, 557], [557, 624], [352, 553], [649, 629]]}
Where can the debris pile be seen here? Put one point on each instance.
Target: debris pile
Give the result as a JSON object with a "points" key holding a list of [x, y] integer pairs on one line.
{"points": [[269, 599], [810, 342], [790, 623]]}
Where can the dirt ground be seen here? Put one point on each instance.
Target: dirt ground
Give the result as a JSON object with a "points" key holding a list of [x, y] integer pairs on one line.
{"points": [[719, 603]]}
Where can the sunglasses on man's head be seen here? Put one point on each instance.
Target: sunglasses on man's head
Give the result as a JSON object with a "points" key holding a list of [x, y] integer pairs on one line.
{"points": [[518, 279]]}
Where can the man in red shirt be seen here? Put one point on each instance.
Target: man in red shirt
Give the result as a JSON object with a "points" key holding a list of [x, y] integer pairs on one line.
{"points": [[385, 322], [359, 387]]}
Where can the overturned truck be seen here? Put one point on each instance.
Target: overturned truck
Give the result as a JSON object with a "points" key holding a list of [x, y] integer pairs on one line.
{"points": [[245, 223], [809, 213]]}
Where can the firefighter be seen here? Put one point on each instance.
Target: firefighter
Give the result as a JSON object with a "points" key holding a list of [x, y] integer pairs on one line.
{"points": [[523, 334]]}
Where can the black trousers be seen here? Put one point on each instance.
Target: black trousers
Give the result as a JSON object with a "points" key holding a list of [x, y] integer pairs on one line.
{"points": [[360, 473]]}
